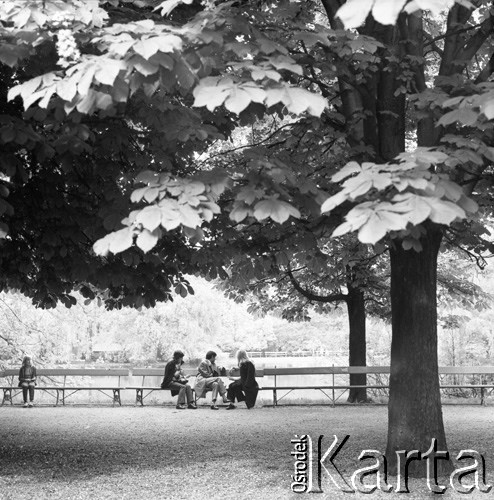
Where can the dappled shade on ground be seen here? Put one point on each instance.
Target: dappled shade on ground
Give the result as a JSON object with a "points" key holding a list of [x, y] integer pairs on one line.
{"points": [[161, 453]]}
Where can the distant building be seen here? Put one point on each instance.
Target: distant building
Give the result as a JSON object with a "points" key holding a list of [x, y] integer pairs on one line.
{"points": [[106, 351]]}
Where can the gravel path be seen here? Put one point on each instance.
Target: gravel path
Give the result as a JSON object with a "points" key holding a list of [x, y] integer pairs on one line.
{"points": [[156, 452]]}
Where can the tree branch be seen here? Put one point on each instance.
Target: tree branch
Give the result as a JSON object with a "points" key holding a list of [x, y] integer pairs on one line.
{"points": [[20, 320], [484, 75], [432, 43], [337, 297], [457, 16], [416, 48], [331, 7], [313, 78], [250, 145], [475, 42], [479, 259], [433, 40]]}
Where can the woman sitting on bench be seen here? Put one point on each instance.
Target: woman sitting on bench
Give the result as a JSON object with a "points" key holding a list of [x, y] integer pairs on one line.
{"points": [[175, 380], [244, 388], [27, 380]]}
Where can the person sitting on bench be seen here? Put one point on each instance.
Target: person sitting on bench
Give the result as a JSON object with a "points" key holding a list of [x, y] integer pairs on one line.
{"points": [[244, 388], [208, 379], [27, 380], [175, 380]]}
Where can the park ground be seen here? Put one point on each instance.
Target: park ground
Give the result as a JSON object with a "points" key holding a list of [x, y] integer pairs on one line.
{"points": [[158, 452]]}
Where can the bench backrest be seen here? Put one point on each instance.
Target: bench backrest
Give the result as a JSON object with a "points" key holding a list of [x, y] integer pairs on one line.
{"points": [[71, 372], [323, 370], [343, 370], [154, 372], [466, 370], [308, 370], [149, 372]]}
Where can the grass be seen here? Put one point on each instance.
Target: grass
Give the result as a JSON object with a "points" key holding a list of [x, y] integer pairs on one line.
{"points": [[157, 452]]}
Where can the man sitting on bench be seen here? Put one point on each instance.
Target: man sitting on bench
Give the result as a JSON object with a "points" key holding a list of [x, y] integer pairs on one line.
{"points": [[176, 381], [208, 379]]}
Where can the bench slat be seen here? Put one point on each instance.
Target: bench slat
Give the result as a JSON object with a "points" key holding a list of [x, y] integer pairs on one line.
{"points": [[466, 370], [150, 372], [156, 372], [68, 388], [309, 370], [467, 386], [72, 372], [325, 370], [295, 387]]}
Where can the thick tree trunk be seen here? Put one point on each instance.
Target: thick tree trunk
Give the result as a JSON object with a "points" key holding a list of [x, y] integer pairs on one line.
{"points": [[357, 351], [415, 415], [414, 411]]}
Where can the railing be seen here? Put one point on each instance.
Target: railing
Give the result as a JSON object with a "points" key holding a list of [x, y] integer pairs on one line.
{"points": [[294, 354]]}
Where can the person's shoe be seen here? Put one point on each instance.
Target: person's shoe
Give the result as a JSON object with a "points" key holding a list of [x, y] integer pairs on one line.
{"points": [[226, 401], [31, 404], [180, 407], [214, 407], [231, 406], [25, 405], [192, 406]]}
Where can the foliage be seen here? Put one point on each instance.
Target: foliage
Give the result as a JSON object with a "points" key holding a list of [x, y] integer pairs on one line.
{"points": [[105, 65], [418, 194], [67, 178], [112, 64]]}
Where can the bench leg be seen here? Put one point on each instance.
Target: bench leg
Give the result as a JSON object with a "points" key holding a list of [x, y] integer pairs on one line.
{"points": [[275, 398], [139, 397], [7, 396], [116, 397], [60, 397]]}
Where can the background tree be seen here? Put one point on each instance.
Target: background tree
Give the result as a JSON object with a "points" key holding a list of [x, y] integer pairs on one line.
{"points": [[293, 281]]}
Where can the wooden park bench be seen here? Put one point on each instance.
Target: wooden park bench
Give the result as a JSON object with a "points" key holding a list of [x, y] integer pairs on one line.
{"points": [[145, 389], [61, 383], [332, 386], [335, 388], [485, 376]]}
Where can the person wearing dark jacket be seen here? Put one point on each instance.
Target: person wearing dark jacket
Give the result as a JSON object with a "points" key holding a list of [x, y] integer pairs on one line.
{"points": [[27, 380], [244, 388], [175, 380]]}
